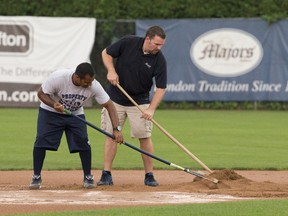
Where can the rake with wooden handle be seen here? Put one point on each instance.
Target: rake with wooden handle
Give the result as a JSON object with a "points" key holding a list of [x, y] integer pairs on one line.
{"points": [[165, 132]]}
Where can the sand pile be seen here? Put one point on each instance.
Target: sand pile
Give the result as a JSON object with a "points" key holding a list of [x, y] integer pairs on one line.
{"points": [[222, 176], [226, 174]]}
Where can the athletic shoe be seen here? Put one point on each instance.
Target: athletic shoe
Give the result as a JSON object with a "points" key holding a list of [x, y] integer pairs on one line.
{"points": [[149, 180], [36, 182], [89, 182], [106, 178]]}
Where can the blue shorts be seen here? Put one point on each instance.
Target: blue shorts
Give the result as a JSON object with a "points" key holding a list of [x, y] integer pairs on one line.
{"points": [[50, 129]]}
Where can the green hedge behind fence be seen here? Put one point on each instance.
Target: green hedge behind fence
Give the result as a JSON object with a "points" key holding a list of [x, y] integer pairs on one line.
{"points": [[143, 9]]}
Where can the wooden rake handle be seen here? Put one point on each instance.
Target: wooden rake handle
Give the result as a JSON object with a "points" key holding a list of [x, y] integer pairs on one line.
{"points": [[166, 133]]}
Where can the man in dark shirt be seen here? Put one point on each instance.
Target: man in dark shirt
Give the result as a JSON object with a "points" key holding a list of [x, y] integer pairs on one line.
{"points": [[139, 62]]}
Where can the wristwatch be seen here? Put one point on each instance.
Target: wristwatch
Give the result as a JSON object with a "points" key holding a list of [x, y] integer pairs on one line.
{"points": [[118, 128]]}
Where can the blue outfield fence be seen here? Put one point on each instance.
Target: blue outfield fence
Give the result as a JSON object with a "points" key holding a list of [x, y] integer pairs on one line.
{"points": [[224, 59]]}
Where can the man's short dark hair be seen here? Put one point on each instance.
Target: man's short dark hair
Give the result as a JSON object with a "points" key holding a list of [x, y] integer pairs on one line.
{"points": [[155, 30], [83, 69]]}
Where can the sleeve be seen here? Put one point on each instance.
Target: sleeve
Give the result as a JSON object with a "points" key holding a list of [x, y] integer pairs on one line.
{"points": [[100, 94], [50, 85], [161, 72], [115, 49]]}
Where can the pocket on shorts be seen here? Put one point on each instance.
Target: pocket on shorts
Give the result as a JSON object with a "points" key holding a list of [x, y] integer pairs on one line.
{"points": [[148, 126], [103, 119]]}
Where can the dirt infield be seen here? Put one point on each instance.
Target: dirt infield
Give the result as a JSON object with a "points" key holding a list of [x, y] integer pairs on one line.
{"points": [[63, 191]]}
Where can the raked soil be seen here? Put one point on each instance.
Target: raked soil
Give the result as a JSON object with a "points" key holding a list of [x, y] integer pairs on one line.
{"points": [[63, 190]]}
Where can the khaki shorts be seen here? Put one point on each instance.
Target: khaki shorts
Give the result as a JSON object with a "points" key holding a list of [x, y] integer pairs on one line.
{"points": [[140, 128]]}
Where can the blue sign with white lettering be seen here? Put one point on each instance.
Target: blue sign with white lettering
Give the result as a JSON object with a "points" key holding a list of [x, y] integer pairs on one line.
{"points": [[224, 59]]}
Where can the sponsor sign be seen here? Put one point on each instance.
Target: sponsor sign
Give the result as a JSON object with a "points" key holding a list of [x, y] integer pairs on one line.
{"points": [[15, 38], [226, 52], [224, 59], [31, 48], [24, 95]]}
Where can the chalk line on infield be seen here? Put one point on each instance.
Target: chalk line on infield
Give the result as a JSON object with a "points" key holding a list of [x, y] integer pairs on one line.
{"points": [[84, 197]]}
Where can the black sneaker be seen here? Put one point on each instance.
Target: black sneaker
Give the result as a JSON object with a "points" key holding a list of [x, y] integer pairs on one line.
{"points": [[149, 180], [89, 182], [106, 178], [36, 182]]}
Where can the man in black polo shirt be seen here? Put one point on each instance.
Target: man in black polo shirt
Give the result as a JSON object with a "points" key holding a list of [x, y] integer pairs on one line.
{"points": [[139, 62]]}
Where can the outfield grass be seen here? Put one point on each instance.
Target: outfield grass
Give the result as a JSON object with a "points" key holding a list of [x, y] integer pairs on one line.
{"points": [[220, 139]]}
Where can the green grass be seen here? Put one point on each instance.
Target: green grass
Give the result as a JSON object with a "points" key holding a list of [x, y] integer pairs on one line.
{"points": [[242, 208], [220, 139]]}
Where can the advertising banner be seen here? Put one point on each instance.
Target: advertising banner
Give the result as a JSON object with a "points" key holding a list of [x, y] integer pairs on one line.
{"points": [[31, 48], [224, 59]]}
